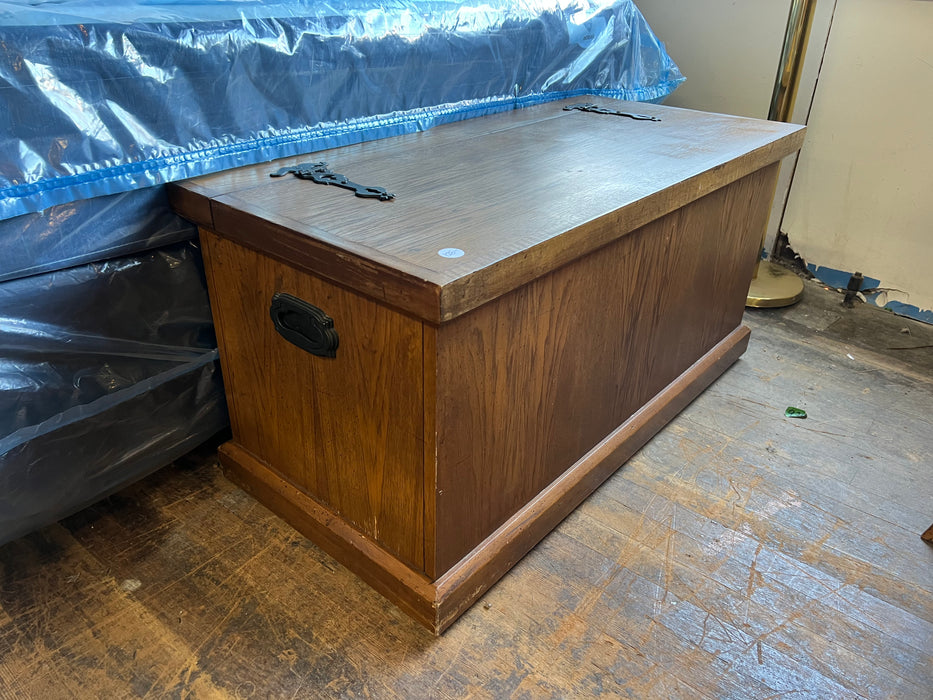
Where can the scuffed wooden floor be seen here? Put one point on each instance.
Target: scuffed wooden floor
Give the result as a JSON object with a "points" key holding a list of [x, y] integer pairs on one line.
{"points": [[741, 554]]}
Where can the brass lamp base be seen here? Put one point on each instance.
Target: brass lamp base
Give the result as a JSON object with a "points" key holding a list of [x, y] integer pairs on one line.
{"points": [[774, 286]]}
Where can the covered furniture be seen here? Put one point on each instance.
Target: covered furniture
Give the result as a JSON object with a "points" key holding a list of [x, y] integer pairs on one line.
{"points": [[107, 354]]}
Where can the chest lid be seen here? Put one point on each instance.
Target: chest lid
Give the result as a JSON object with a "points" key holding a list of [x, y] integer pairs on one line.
{"points": [[485, 205]]}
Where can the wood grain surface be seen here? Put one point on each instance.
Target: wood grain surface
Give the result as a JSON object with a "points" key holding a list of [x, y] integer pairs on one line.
{"points": [[474, 574], [529, 383], [346, 430], [496, 188]]}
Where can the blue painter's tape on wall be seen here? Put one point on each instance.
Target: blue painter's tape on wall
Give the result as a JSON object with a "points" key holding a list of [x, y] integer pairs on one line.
{"points": [[840, 280]]}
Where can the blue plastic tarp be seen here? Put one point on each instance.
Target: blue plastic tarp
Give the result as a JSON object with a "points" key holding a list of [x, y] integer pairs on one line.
{"points": [[100, 98]]}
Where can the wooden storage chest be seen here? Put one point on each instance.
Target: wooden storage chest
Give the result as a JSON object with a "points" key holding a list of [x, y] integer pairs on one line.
{"points": [[546, 290]]}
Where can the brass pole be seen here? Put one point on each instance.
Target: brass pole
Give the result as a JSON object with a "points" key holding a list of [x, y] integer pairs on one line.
{"points": [[773, 285], [799, 23]]}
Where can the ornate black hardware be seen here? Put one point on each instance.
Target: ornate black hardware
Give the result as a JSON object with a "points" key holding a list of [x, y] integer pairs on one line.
{"points": [[321, 174], [304, 325], [589, 107]]}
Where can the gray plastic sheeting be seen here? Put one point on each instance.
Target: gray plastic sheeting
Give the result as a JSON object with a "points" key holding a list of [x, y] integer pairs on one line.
{"points": [[98, 384], [89, 230]]}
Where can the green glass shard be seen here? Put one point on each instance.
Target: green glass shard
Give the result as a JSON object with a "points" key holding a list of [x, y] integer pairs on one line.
{"points": [[794, 412]]}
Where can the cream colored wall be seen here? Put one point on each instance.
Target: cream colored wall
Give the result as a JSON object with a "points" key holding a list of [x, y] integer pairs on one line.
{"points": [[819, 32], [862, 195], [728, 51]]}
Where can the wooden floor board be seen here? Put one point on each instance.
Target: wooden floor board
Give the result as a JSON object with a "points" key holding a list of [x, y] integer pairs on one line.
{"points": [[795, 514], [740, 554], [728, 531], [656, 564], [770, 593]]}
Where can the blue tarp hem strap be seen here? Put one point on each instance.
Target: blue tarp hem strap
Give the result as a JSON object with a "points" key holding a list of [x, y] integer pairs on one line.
{"points": [[27, 198]]}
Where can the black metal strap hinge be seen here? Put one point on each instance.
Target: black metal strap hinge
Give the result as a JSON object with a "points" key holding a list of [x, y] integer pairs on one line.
{"points": [[589, 107], [321, 174]]}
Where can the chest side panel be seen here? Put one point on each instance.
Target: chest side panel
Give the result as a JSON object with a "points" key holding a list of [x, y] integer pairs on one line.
{"points": [[528, 384], [346, 430]]}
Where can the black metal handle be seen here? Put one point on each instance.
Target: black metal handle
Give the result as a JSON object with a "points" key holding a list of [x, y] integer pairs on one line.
{"points": [[304, 325]]}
